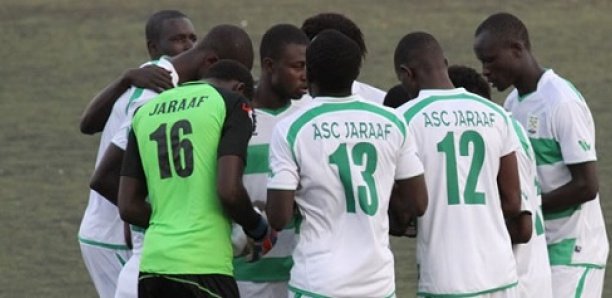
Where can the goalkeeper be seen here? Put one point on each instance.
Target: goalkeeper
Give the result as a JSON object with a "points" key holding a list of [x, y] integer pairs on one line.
{"points": [[187, 151]]}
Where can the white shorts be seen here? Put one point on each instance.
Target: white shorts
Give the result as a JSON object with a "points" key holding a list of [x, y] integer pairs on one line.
{"points": [[577, 281], [104, 265], [127, 284], [249, 289], [511, 292]]}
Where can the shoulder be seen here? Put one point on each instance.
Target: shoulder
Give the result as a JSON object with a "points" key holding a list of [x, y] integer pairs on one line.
{"points": [[368, 92], [557, 90]]}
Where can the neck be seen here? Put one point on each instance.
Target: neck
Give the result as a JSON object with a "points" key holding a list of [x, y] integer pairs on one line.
{"points": [[528, 80], [435, 80], [266, 98], [185, 67]]}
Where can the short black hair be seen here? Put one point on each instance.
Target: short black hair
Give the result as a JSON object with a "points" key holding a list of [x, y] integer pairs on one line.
{"points": [[418, 49], [155, 23], [470, 79], [228, 70], [278, 37], [506, 26], [333, 61], [229, 42], [396, 96], [330, 20]]}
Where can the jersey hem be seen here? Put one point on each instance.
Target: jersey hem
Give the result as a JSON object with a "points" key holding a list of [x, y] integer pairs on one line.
{"points": [[103, 244], [473, 294]]}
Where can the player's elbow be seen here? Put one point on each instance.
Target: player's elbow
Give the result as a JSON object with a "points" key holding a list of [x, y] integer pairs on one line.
{"points": [[87, 127], [588, 189], [511, 205], [524, 229]]}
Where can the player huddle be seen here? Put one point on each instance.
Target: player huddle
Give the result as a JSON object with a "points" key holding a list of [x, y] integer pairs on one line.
{"points": [[291, 188]]}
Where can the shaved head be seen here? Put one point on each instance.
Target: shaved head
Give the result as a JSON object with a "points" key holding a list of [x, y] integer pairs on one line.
{"points": [[419, 50], [506, 27], [229, 42]]}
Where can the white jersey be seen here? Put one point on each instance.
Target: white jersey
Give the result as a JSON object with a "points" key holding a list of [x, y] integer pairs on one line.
{"points": [[276, 264], [561, 130], [463, 246], [342, 156], [101, 225], [532, 264], [365, 91]]}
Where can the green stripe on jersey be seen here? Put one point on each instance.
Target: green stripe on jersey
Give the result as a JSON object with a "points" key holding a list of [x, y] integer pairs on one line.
{"points": [[103, 244], [561, 214], [264, 270], [560, 253], [257, 159], [412, 111], [305, 294], [547, 151], [502, 288], [275, 112], [340, 107], [522, 138]]}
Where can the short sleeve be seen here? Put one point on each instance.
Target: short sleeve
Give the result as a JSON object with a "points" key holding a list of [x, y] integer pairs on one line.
{"points": [[283, 167], [237, 127], [409, 163], [132, 164], [575, 132]]}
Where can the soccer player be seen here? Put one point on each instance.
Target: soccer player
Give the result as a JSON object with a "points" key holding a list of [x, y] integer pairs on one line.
{"points": [[561, 130], [101, 234], [337, 159], [226, 74], [317, 23], [396, 96], [532, 257], [186, 152], [282, 79], [467, 145]]}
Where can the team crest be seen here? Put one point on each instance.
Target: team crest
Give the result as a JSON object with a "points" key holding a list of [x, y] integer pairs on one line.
{"points": [[533, 124]]}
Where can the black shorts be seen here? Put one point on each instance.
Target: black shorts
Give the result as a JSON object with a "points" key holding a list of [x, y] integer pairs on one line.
{"points": [[151, 285]]}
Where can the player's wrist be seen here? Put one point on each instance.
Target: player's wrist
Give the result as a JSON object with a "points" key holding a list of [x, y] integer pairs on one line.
{"points": [[260, 230]]}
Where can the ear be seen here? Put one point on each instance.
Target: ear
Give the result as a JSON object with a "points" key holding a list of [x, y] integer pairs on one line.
{"points": [[517, 48], [404, 73], [446, 62], [239, 88], [267, 64], [152, 48], [210, 59]]}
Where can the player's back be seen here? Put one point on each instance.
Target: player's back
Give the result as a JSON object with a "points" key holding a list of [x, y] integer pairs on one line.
{"points": [[178, 134], [346, 150], [463, 245]]}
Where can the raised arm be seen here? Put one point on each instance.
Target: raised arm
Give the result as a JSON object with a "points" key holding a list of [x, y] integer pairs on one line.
{"points": [[99, 108]]}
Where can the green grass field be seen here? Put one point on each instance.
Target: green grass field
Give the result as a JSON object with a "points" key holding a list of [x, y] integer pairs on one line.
{"points": [[58, 54]]}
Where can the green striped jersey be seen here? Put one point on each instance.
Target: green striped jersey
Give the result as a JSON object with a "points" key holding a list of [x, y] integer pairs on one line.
{"points": [[561, 130]]}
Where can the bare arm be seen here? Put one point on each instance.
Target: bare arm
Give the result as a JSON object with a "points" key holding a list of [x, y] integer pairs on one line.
{"points": [[133, 207], [105, 179], [408, 201], [232, 194], [520, 228], [280, 207], [583, 187], [99, 108], [509, 186]]}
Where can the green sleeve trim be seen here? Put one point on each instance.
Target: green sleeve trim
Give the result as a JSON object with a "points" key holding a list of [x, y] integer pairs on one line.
{"points": [[103, 244], [137, 229], [297, 125], [257, 159], [522, 138], [571, 85], [547, 151], [539, 224], [429, 295], [305, 294], [264, 270], [120, 259], [412, 111], [561, 253], [552, 215]]}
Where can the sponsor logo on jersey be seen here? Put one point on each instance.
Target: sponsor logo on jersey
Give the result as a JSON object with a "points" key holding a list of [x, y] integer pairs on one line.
{"points": [[584, 145], [533, 123]]}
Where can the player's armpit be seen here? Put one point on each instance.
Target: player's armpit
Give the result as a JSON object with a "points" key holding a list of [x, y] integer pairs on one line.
{"points": [[509, 186], [520, 228], [583, 187], [280, 207]]}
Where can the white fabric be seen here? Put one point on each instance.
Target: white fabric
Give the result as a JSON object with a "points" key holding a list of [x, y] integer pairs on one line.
{"points": [[463, 246], [104, 266], [557, 114], [257, 290], [578, 281], [342, 252]]}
